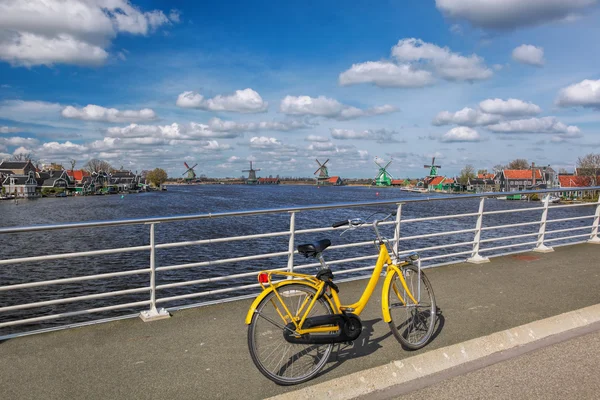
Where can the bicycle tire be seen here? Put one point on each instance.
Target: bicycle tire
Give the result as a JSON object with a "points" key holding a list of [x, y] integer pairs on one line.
{"points": [[412, 325], [305, 360]]}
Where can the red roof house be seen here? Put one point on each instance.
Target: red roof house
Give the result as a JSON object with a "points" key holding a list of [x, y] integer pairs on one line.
{"points": [[77, 175]]}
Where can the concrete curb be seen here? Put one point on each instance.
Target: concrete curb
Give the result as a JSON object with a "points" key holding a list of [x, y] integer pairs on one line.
{"points": [[402, 371]]}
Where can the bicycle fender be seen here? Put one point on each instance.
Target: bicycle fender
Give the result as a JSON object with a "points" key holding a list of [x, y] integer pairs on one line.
{"points": [[385, 306], [268, 290]]}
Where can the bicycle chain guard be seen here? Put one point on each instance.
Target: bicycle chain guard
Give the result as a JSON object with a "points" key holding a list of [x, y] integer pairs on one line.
{"points": [[350, 327]]}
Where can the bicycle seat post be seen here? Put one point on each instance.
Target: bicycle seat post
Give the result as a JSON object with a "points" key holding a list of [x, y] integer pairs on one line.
{"points": [[322, 260]]}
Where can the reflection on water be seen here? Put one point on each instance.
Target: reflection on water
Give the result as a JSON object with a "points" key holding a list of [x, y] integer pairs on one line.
{"points": [[187, 200]]}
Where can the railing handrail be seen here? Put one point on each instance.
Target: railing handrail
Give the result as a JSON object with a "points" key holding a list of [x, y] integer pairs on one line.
{"points": [[152, 269], [156, 220]]}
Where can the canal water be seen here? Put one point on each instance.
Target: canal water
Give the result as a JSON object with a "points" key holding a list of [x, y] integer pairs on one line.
{"points": [[201, 199]]}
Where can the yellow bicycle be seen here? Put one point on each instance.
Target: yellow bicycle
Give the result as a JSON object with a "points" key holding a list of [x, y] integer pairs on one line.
{"points": [[294, 323]]}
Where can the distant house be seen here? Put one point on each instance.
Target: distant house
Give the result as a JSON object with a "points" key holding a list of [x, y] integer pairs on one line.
{"points": [[20, 185], [573, 181], [125, 180], [479, 185], [436, 183], [451, 185], [399, 182], [17, 167], [55, 179], [77, 176], [269, 181], [335, 181], [513, 180]]}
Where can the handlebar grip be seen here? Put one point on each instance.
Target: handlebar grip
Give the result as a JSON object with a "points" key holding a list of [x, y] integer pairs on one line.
{"points": [[339, 223]]}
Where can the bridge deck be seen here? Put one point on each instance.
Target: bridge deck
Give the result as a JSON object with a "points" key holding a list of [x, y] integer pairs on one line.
{"points": [[202, 353]]}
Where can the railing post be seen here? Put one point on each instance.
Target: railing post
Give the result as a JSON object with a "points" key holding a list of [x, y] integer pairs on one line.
{"points": [[541, 247], [595, 239], [291, 247], [397, 231], [153, 314], [475, 257]]}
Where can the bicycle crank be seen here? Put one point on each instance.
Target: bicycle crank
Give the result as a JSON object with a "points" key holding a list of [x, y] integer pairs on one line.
{"points": [[349, 329]]}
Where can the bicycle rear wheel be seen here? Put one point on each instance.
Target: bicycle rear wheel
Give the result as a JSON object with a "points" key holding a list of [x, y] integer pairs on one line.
{"points": [[412, 324], [282, 362]]}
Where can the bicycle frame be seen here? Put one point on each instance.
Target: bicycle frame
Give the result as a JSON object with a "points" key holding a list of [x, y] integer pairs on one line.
{"points": [[333, 300]]}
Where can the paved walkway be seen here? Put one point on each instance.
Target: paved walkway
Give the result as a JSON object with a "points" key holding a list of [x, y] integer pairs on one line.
{"points": [[567, 370], [202, 353]]}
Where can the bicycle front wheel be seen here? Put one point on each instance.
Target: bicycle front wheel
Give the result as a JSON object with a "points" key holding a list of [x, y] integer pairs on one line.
{"points": [[412, 323], [282, 362]]}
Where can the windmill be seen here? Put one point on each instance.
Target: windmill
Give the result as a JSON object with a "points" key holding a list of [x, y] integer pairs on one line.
{"points": [[251, 175], [191, 175], [383, 178], [433, 168], [323, 173]]}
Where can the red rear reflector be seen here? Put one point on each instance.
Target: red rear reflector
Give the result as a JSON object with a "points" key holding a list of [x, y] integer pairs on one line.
{"points": [[263, 278]]}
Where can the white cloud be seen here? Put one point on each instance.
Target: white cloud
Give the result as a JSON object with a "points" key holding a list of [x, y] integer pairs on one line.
{"points": [[68, 31], [510, 107], [585, 94], [386, 74], [534, 125], [315, 138], [416, 63], [448, 65], [214, 146], [529, 54], [461, 134], [380, 135], [329, 108], [92, 112], [9, 129], [61, 149], [467, 117], [511, 14], [242, 101], [216, 128], [263, 142], [18, 141]]}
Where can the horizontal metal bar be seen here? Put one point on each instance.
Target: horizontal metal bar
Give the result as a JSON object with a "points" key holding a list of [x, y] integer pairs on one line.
{"points": [[76, 279], [509, 237], [73, 255], [223, 261], [443, 246], [344, 246], [73, 313], [512, 211], [329, 229], [220, 240], [508, 246], [446, 255], [568, 237], [487, 228], [208, 293], [574, 205], [579, 228], [437, 234], [280, 210], [348, 271], [215, 279], [570, 218], [74, 299], [438, 217]]}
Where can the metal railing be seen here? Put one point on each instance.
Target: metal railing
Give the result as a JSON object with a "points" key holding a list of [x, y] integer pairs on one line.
{"points": [[153, 291]]}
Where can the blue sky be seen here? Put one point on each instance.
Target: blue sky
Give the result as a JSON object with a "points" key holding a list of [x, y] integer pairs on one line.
{"points": [[148, 84]]}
